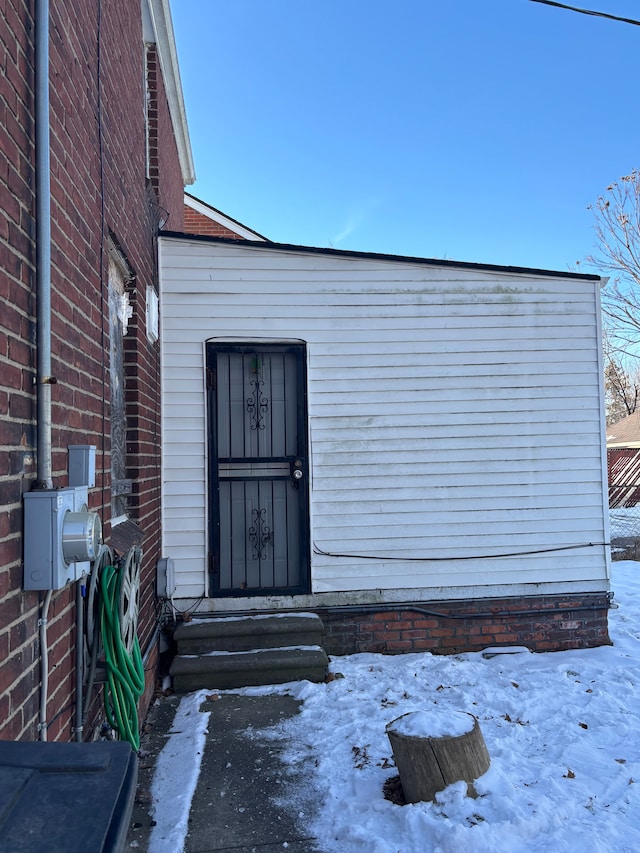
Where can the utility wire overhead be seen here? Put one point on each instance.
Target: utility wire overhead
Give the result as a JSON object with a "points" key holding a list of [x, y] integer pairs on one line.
{"points": [[588, 12]]}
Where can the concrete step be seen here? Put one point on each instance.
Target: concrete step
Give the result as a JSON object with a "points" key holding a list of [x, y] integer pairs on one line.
{"points": [[225, 670], [245, 651], [243, 633]]}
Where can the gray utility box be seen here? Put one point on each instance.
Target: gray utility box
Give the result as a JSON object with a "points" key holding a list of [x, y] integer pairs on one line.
{"points": [[61, 537], [66, 797], [82, 465]]}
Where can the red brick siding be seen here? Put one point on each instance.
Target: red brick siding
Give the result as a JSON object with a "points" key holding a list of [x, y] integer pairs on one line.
{"points": [[99, 193], [197, 223], [544, 623], [163, 160]]}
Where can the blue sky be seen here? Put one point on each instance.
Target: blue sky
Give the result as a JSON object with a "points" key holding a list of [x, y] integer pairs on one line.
{"points": [[473, 130]]}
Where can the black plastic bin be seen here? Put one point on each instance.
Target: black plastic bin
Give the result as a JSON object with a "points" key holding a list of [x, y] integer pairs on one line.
{"points": [[66, 797]]}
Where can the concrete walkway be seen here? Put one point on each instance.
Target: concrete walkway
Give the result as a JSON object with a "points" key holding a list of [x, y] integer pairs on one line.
{"points": [[236, 803]]}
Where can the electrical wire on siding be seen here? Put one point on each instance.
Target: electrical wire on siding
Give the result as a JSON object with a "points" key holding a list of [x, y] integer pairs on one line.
{"points": [[321, 552]]}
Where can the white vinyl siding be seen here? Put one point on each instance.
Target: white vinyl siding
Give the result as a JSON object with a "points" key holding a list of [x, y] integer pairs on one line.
{"points": [[454, 413]]}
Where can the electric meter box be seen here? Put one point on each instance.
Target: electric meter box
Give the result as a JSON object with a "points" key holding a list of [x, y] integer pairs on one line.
{"points": [[61, 537]]}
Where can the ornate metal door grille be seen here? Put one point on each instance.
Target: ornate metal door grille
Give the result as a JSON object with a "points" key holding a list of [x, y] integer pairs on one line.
{"points": [[257, 416]]}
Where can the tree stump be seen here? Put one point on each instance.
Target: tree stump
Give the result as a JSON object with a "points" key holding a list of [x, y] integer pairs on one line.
{"points": [[434, 748]]}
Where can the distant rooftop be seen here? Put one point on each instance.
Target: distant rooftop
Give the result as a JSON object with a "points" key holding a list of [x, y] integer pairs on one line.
{"points": [[625, 433]]}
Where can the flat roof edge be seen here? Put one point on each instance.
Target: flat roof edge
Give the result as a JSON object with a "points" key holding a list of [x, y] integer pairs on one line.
{"points": [[377, 256]]}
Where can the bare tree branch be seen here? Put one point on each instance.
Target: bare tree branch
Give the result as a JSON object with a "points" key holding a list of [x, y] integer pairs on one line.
{"points": [[617, 227], [621, 381]]}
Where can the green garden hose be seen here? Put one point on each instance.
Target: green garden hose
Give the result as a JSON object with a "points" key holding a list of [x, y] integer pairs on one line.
{"points": [[125, 670]]}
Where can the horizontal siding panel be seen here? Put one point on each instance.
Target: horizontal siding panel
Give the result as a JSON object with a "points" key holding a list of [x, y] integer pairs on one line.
{"points": [[399, 344], [404, 522], [515, 359], [406, 538], [504, 372], [413, 408], [182, 514], [462, 438], [189, 377], [443, 302], [331, 275], [424, 507], [387, 335], [186, 440], [363, 576], [189, 538], [448, 477], [190, 588], [537, 495], [537, 422], [396, 313], [191, 551], [368, 469], [531, 569], [245, 265], [180, 358], [410, 380], [406, 449], [192, 353], [185, 467], [445, 396], [179, 490], [189, 407]]}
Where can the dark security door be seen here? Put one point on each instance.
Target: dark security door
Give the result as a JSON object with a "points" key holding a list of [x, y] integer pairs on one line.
{"points": [[258, 469]]}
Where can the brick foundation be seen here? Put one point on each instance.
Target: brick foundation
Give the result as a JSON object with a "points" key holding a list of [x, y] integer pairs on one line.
{"points": [[541, 623]]}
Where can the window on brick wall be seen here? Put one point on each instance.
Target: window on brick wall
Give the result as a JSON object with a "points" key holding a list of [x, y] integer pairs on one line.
{"points": [[120, 313]]}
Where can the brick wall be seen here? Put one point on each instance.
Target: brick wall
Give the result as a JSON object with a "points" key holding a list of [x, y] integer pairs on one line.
{"points": [[100, 197], [198, 223], [163, 155], [544, 623]]}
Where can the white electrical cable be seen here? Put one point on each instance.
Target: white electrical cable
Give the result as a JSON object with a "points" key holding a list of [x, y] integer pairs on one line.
{"points": [[44, 665]]}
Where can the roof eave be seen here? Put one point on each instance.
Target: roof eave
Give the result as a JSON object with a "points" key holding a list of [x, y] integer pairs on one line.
{"points": [[408, 259]]}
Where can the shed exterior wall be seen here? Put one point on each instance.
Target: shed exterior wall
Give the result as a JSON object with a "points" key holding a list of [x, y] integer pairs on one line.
{"points": [[443, 405]]}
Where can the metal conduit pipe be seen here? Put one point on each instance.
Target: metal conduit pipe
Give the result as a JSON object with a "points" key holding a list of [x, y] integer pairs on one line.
{"points": [[44, 379], [43, 304]]}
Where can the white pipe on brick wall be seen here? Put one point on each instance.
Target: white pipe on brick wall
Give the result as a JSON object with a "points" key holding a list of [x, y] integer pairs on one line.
{"points": [[43, 245], [79, 658], [44, 666]]}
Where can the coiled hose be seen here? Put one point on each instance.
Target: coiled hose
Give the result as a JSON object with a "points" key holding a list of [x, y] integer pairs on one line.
{"points": [[112, 628]]}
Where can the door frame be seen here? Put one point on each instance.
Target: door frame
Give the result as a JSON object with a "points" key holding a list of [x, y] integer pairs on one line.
{"points": [[299, 349]]}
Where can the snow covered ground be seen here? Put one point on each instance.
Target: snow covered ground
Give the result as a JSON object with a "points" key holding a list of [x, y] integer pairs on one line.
{"points": [[562, 730]]}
